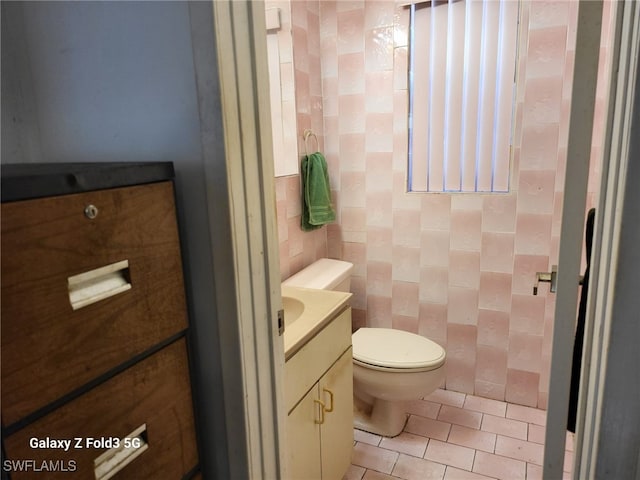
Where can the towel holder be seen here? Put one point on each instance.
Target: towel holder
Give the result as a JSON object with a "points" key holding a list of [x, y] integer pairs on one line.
{"points": [[306, 135]]}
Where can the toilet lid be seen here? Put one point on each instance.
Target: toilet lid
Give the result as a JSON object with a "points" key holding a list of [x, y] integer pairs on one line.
{"points": [[397, 349]]}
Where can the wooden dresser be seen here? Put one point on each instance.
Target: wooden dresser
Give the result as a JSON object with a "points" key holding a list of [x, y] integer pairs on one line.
{"points": [[95, 370]]}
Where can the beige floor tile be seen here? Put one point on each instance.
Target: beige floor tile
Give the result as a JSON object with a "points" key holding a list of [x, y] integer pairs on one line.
{"points": [[499, 467], [527, 414], [450, 454], [366, 437], [454, 436], [424, 408], [485, 405], [504, 426], [453, 473], [460, 416], [412, 468], [428, 427], [448, 397], [414, 445], [374, 458], [354, 473], [469, 437], [519, 449]]}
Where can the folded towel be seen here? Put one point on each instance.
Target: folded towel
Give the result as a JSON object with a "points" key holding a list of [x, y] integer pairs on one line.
{"points": [[316, 194]]}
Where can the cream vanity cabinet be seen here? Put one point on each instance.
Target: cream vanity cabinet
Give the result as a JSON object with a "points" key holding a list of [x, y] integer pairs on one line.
{"points": [[319, 399]]}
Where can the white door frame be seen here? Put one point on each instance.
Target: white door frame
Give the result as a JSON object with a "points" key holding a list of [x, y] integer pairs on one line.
{"points": [[608, 227], [606, 235], [571, 234], [243, 72]]}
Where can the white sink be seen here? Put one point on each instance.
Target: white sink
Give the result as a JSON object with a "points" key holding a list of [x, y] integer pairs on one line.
{"points": [[293, 309], [306, 312]]}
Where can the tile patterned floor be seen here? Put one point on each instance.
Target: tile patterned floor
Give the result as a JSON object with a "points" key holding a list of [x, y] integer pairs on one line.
{"points": [[454, 436]]}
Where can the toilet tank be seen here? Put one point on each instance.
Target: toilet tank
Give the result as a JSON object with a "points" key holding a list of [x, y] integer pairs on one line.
{"points": [[323, 274]]}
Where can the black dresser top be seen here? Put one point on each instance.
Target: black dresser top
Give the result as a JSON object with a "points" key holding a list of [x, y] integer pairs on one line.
{"points": [[35, 180]]}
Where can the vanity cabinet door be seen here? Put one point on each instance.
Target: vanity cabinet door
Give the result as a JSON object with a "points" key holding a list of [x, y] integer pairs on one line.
{"points": [[320, 426], [303, 438], [336, 433]]}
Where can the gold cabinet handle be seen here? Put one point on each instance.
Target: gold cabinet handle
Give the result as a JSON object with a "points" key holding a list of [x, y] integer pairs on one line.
{"points": [[321, 403], [330, 409]]}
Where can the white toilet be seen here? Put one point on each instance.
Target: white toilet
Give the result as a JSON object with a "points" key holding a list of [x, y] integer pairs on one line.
{"points": [[390, 366]]}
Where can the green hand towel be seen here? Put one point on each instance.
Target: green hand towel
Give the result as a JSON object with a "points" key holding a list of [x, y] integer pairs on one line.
{"points": [[316, 194]]}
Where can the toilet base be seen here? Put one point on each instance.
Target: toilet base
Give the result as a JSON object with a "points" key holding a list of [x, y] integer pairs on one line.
{"points": [[383, 418]]}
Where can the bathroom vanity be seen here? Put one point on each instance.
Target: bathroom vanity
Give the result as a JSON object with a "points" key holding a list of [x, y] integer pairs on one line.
{"points": [[94, 323], [318, 383]]}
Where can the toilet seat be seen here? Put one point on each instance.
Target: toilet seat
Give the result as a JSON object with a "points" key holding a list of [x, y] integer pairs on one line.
{"points": [[395, 350]]}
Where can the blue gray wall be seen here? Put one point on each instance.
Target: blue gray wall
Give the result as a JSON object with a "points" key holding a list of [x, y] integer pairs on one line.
{"points": [[116, 81], [108, 79]]}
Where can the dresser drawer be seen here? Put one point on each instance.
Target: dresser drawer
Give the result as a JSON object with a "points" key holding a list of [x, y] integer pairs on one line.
{"points": [[154, 393], [51, 346]]}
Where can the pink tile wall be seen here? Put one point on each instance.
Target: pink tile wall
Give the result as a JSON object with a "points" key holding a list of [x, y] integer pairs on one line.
{"points": [[297, 248], [458, 269]]}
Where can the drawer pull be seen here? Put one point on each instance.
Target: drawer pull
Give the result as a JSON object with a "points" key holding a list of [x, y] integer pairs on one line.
{"points": [[115, 459], [95, 285]]}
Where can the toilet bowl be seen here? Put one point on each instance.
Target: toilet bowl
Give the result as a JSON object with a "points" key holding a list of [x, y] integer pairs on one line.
{"points": [[390, 367]]}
